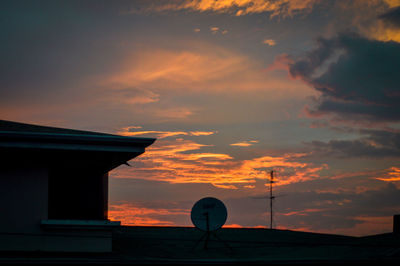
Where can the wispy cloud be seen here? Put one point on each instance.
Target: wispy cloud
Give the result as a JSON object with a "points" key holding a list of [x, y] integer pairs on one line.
{"points": [[244, 143], [232, 226], [302, 208], [354, 213], [195, 67], [284, 8], [130, 131], [181, 161], [391, 175], [130, 96], [303, 212], [131, 214], [214, 30], [197, 156], [269, 42]]}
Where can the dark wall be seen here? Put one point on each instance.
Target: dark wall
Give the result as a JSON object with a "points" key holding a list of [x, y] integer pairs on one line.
{"points": [[75, 182], [23, 198], [78, 194]]}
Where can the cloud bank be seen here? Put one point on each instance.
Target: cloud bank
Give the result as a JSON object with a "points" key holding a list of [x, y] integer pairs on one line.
{"points": [[357, 78]]}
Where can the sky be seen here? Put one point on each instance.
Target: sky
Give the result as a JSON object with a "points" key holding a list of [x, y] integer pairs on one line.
{"points": [[231, 89]]}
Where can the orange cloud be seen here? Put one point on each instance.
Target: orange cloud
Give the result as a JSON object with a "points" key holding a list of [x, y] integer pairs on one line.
{"points": [[126, 131], [197, 156], [172, 113], [282, 8], [202, 133], [179, 161], [244, 143], [281, 62], [130, 214], [197, 66], [391, 175], [214, 29], [365, 18], [270, 42], [159, 134], [303, 212], [232, 226], [392, 3], [241, 144], [289, 168], [224, 186], [381, 32]]}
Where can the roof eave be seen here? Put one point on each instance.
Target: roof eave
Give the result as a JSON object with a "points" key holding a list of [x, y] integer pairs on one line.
{"points": [[59, 141]]}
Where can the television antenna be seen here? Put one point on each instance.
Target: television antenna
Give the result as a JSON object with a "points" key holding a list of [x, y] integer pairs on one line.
{"points": [[271, 199], [209, 214]]}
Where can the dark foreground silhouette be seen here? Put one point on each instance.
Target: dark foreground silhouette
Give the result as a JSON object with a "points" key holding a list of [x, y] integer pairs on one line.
{"points": [[180, 245]]}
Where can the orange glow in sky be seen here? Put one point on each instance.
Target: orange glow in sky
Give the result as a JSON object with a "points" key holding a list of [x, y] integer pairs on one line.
{"points": [[231, 89]]}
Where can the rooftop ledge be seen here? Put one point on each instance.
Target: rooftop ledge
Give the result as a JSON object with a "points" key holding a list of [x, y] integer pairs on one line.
{"points": [[86, 224]]}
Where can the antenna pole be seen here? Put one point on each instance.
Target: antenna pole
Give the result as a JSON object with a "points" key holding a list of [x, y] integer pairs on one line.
{"points": [[271, 197]]}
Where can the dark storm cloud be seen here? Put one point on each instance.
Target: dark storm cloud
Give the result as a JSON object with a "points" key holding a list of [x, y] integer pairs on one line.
{"points": [[358, 78], [377, 144], [392, 17]]}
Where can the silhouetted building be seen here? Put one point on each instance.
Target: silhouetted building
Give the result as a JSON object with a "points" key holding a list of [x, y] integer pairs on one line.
{"points": [[54, 186], [396, 224]]}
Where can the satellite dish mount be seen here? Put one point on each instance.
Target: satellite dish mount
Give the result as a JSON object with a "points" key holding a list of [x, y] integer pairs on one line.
{"points": [[209, 215]]}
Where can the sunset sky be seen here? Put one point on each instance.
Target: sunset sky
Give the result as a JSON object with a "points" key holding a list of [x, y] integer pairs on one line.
{"points": [[231, 89]]}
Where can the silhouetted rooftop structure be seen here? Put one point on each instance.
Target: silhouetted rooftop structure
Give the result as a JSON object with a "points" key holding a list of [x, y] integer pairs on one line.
{"points": [[178, 245], [56, 179]]}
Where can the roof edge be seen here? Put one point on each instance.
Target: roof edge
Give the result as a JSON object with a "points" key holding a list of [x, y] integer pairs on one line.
{"points": [[84, 137], [22, 135]]}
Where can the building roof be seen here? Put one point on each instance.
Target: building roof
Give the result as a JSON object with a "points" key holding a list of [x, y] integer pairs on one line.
{"points": [[22, 135]]}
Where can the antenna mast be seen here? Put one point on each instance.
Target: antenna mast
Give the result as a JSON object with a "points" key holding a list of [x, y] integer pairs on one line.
{"points": [[271, 198]]}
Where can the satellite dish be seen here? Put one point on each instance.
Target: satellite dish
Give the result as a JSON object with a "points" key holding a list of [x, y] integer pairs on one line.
{"points": [[209, 214]]}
